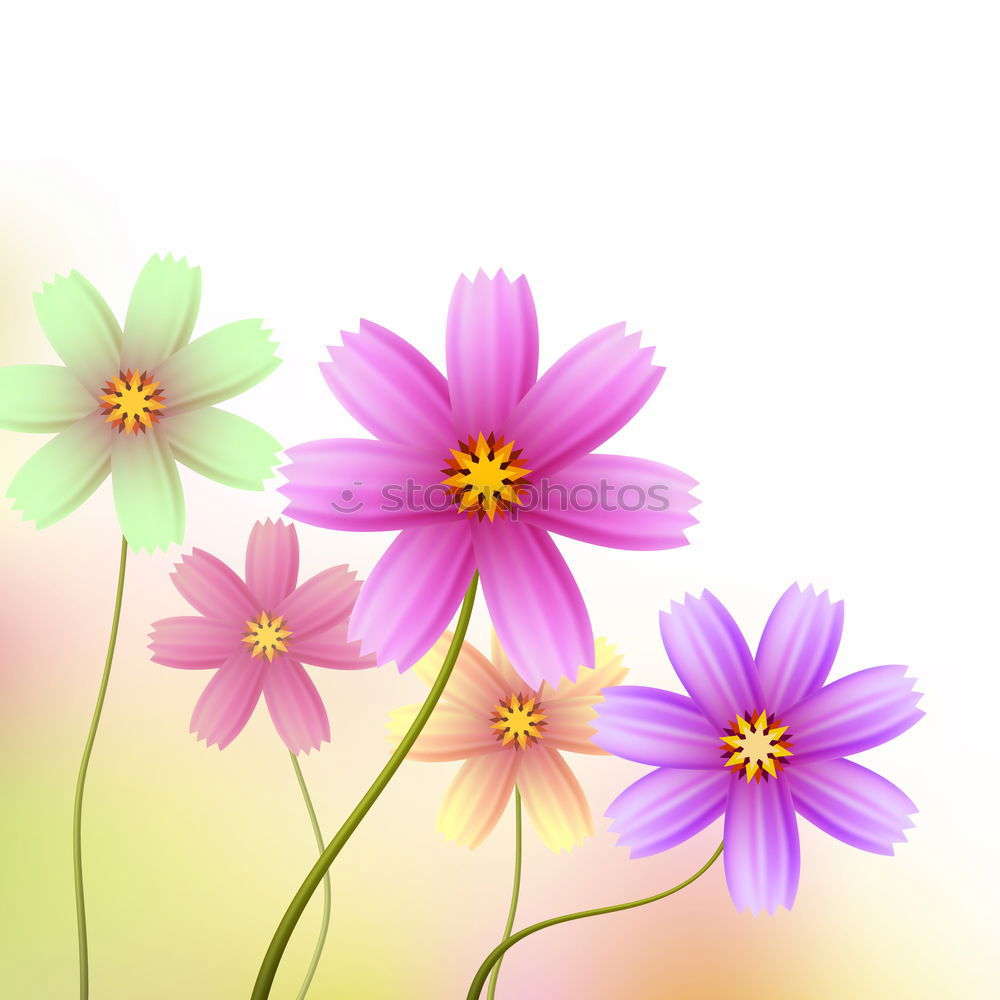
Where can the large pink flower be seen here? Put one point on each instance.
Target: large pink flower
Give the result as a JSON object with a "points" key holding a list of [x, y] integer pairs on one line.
{"points": [[476, 470], [257, 634]]}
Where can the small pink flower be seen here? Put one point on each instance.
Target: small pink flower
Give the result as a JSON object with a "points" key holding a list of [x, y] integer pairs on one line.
{"points": [[257, 635]]}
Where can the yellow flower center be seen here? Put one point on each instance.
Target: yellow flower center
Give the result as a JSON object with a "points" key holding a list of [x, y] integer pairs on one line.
{"points": [[483, 477], [756, 746], [266, 635], [518, 722], [131, 401]]}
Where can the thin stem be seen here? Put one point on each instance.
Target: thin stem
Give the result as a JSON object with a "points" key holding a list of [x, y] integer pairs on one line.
{"points": [[272, 958], [325, 923], [491, 992], [81, 909], [476, 989]]}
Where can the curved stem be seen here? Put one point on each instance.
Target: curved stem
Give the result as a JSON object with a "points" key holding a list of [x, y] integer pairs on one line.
{"points": [[491, 991], [272, 958], [476, 989], [81, 910], [324, 926]]}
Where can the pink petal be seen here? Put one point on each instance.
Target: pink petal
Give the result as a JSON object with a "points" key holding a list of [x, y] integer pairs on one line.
{"points": [[857, 712], [229, 699], [360, 485], [492, 350], [656, 727], [451, 733], [272, 562], [611, 500], [553, 799], [390, 388], [477, 797], [331, 649], [590, 393], [711, 658], [295, 706], [323, 601], [411, 595], [212, 588], [535, 604], [476, 685], [191, 642], [798, 647], [762, 845], [667, 807], [851, 803]]}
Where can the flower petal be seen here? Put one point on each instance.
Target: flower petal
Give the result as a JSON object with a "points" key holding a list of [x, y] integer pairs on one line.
{"points": [[711, 658], [295, 706], [41, 399], [762, 845], [147, 489], [553, 798], [161, 312], [851, 803], [476, 685], [80, 326], [657, 727], [477, 797], [218, 365], [590, 684], [222, 446], [411, 595], [229, 699], [500, 662], [320, 603], [492, 351], [63, 472], [332, 650], [612, 500], [272, 562], [451, 733], [390, 388], [857, 712], [212, 588], [667, 807], [798, 647], [361, 485], [535, 604], [190, 642], [590, 393]]}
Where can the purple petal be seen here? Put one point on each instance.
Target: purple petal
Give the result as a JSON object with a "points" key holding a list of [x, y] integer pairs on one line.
{"points": [[667, 807], [272, 565], [191, 642], [323, 601], [762, 845], [851, 803], [332, 650], [534, 602], [411, 595], [492, 348], [353, 484], [229, 699], [858, 712], [798, 646], [390, 388], [711, 658], [590, 393], [295, 706], [212, 588], [651, 726]]}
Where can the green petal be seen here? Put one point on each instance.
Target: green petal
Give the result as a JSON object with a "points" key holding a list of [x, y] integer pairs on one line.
{"points": [[41, 399], [81, 327], [63, 472], [147, 488], [223, 447], [217, 366], [161, 312]]}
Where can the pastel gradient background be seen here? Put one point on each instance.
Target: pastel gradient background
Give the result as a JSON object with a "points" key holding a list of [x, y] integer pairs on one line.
{"points": [[800, 209]]}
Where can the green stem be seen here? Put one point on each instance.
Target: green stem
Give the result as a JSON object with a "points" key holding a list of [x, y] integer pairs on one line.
{"points": [[272, 958], [491, 992], [324, 926], [81, 909], [476, 989]]}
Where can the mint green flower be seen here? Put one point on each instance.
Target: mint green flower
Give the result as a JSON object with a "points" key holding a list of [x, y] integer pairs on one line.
{"points": [[133, 402]]}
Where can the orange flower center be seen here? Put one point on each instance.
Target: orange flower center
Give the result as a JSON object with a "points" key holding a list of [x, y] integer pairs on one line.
{"points": [[518, 722], [483, 476], [131, 400], [756, 747], [266, 635]]}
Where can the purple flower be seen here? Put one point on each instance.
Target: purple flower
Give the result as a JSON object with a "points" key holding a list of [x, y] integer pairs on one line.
{"points": [[475, 470], [760, 739]]}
